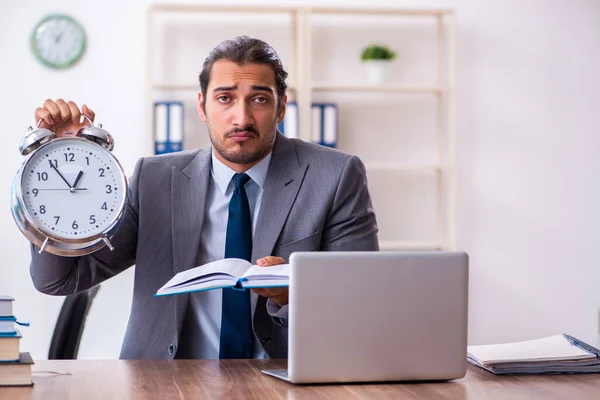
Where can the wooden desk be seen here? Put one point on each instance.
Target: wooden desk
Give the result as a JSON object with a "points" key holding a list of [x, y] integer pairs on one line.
{"points": [[236, 379]]}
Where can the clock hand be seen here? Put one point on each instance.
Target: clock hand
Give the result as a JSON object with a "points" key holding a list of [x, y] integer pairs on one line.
{"points": [[63, 189], [74, 187], [57, 171]]}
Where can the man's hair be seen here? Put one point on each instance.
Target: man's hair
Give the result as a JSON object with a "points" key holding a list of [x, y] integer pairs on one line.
{"points": [[244, 50]]}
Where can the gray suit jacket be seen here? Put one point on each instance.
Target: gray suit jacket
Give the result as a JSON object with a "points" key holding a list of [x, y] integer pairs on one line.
{"points": [[315, 199]]}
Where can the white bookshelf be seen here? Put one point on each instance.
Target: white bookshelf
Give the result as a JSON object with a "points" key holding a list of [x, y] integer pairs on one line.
{"points": [[303, 88]]}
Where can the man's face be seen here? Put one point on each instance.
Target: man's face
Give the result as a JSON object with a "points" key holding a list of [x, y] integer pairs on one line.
{"points": [[241, 112]]}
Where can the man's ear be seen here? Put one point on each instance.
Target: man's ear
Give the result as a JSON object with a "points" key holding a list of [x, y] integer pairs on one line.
{"points": [[281, 114], [201, 110]]}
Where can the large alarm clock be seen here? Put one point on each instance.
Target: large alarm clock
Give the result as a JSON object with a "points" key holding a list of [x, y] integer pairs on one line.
{"points": [[69, 196]]}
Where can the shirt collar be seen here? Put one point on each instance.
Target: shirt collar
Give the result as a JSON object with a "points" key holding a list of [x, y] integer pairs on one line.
{"points": [[222, 174]]}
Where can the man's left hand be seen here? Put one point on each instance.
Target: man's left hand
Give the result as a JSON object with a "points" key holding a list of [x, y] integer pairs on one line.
{"points": [[278, 295]]}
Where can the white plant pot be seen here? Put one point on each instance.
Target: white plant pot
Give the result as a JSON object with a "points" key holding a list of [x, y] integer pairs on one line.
{"points": [[377, 70]]}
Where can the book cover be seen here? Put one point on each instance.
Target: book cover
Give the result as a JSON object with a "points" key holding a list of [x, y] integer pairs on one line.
{"points": [[18, 372], [6, 304]]}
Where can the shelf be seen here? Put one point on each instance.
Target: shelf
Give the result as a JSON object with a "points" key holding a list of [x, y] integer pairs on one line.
{"points": [[353, 87], [390, 166], [220, 8], [268, 8], [390, 11], [339, 87], [410, 245], [189, 86]]}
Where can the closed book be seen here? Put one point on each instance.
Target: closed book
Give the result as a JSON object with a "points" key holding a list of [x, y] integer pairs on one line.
{"points": [[7, 325], [16, 373], [9, 346], [6, 304], [550, 355]]}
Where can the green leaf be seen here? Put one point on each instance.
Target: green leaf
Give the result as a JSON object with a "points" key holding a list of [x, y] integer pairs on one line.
{"points": [[377, 52]]}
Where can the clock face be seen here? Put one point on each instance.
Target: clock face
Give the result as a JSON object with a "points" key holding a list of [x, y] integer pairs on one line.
{"points": [[73, 189], [58, 41]]}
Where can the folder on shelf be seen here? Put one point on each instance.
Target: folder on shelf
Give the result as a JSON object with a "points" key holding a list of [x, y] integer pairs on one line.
{"points": [[168, 126], [325, 124], [289, 125]]}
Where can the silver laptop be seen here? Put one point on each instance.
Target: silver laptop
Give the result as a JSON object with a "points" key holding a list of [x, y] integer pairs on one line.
{"points": [[377, 316]]}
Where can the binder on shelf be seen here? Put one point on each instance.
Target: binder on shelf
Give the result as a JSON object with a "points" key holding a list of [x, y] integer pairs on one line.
{"points": [[289, 125], [325, 124], [168, 126]]}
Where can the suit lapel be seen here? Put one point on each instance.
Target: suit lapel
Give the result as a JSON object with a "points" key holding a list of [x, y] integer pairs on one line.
{"points": [[284, 179], [188, 200]]}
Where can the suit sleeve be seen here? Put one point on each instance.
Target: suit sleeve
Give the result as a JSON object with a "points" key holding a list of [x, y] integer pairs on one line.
{"points": [[56, 275], [351, 224]]}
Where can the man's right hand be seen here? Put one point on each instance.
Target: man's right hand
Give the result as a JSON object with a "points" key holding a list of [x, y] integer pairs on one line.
{"points": [[60, 116]]}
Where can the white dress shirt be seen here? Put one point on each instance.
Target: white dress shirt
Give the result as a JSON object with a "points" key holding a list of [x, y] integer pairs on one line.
{"points": [[202, 325]]}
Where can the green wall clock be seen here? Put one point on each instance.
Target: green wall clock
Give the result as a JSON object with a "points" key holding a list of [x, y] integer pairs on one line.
{"points": [[58, 41]]}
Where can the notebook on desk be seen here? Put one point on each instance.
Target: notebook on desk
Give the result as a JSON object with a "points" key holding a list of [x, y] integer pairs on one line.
{"points": [[376, 316], [550, 355]]}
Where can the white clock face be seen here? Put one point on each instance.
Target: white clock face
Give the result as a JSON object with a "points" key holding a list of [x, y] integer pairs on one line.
{"points": [[58, 41], [73, 189]]}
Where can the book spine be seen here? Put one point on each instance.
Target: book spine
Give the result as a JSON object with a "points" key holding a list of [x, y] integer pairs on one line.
{"points": [[582, 345]]}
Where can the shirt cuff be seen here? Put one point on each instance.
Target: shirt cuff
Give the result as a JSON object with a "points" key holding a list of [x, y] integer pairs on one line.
{"points": [[278, 313]]}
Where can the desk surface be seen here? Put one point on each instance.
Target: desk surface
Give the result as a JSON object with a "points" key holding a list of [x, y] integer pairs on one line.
{"points": [[235, 379]]}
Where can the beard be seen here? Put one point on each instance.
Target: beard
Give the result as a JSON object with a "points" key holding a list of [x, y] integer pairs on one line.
{"points": [[239, 155]]}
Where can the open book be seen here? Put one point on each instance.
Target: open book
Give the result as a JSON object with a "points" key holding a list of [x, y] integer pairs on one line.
{"points": [[554, 354], [229, 272]]}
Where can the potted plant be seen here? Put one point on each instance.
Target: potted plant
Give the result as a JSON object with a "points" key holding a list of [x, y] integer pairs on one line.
{"points": [[377, 59]]}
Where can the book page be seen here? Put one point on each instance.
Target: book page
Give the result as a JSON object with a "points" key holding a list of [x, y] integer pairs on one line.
{"points": [[275, 271], [550, 348], [228, 267], [266, 277]]}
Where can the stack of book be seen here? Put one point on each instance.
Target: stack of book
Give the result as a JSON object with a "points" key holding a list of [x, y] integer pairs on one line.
{"points": [[551, 355], [15, 367]]}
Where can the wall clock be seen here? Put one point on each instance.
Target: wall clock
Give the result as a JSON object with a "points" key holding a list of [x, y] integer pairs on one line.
{"points": [[58, 41]]}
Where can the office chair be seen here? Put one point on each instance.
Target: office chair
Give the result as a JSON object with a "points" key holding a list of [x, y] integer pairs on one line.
{"points": [[69, 325]]}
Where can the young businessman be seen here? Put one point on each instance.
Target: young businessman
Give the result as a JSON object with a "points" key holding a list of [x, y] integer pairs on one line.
{"points": [[253, 194]]}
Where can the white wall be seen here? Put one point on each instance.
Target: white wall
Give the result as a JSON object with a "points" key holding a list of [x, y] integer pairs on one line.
{"points": [[528, 213]]}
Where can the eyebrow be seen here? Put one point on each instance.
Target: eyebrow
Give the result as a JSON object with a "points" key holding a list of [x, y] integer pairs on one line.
{"points": [[234, 87]]}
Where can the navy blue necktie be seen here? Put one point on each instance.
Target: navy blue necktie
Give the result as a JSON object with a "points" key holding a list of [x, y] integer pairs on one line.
{"points": [[236, 326]]}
